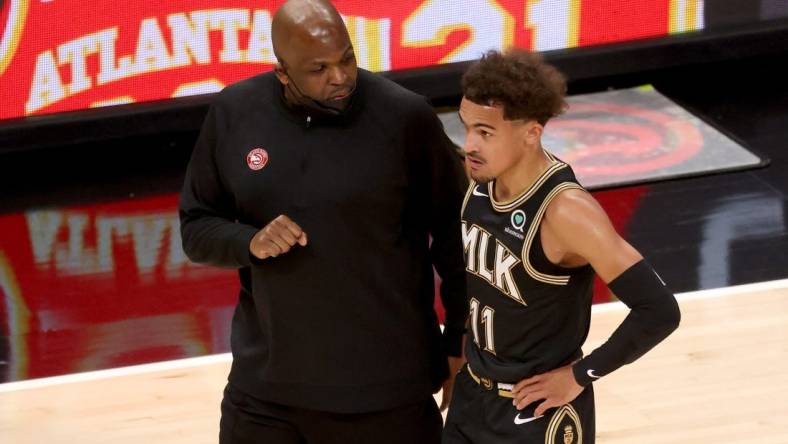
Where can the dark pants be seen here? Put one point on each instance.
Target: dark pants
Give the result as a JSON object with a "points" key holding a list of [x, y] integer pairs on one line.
{"points": [[247, 420], [480, 416]]}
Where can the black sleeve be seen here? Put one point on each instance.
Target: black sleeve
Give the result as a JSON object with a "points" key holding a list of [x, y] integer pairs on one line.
{"points": [[448, 184], [654, 315], [209, 230]]}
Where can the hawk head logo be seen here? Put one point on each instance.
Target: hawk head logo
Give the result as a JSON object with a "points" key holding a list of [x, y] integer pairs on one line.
{"points": [[257, 159]]}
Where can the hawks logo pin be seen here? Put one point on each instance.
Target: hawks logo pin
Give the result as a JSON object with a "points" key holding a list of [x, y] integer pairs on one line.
{"points": [[257, 159]]}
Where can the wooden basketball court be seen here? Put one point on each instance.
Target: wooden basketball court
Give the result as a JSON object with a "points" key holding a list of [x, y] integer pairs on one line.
{"points": [[720, 378]]}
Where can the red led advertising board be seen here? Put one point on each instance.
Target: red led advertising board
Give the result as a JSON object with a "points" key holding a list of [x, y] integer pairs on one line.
{"points": [[63, 55]]}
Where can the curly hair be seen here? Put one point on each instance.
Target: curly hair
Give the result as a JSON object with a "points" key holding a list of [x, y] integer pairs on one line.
{"points": [[520, 81]]}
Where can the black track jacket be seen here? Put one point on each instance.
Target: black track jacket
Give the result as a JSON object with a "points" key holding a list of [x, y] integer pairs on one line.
{"points": [[346, 323]]}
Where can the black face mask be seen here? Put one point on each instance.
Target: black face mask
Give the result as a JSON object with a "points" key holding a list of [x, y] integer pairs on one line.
{"points": [[329, 107]]}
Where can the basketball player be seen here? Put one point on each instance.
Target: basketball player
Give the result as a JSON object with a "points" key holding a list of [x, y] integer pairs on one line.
{"points": [[534, 238]]}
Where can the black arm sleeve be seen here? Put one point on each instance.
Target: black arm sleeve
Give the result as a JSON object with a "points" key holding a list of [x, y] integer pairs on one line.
{"points": [[209, 231], [448, 183], [654, 315]]}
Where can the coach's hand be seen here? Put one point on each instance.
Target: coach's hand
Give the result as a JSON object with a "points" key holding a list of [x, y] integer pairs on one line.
{"points": [[277, 238], [455, 365], [556, 387]]}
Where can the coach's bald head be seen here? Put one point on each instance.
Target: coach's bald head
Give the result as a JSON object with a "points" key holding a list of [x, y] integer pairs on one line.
{"points": [[315, 54]]}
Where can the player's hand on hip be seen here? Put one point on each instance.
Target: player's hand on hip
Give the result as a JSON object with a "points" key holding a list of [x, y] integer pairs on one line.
{"points": [[277, 238], [556, 388], [455, 365]]}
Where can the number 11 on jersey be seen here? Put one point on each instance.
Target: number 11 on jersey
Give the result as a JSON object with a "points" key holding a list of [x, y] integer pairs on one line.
{"points": [[487, 314]]}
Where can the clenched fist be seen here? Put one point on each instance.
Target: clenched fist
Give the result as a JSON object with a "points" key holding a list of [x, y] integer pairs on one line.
{"points": [[277, 238]]}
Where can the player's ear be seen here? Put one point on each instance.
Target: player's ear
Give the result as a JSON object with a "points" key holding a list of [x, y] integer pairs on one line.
{"points": [[533, 132]]}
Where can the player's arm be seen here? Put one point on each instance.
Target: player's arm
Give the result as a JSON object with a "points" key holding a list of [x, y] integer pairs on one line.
{"points": [[582, 230]]}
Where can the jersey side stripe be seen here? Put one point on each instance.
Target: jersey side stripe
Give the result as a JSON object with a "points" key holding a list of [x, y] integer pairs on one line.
{"points": [[555, 422]]}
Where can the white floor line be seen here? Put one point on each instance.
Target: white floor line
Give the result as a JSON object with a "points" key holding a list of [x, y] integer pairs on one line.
{"points": [[115, 372], [704, 294], [226, 357]]}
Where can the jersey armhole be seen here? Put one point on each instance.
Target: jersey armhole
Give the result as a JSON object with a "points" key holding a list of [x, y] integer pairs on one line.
{"points": [[533, 230]]}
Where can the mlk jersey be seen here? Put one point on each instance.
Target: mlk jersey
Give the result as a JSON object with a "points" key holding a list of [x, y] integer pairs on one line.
{"points": [[527, 315]]}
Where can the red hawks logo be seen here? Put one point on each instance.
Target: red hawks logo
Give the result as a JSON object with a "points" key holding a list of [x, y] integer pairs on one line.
{"points": [[256, 159]]}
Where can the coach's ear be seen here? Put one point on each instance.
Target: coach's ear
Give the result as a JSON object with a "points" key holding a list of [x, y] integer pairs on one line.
{"points": [[281, 72]]}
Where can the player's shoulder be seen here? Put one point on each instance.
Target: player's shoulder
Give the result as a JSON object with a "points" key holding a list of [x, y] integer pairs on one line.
{"points": [[572, 206]]}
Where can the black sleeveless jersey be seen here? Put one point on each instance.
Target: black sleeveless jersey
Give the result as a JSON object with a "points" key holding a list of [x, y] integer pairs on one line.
{"points": [[527, 315]]}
